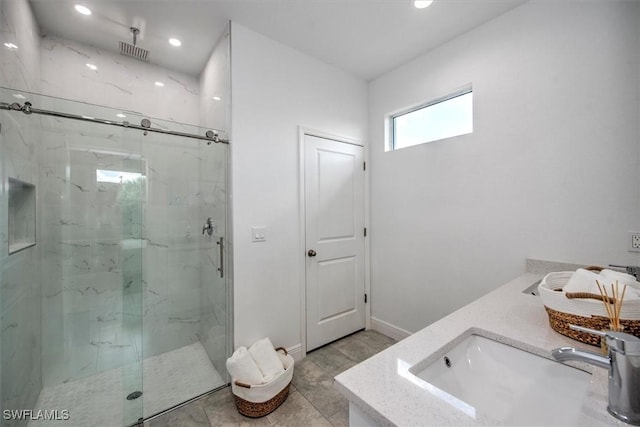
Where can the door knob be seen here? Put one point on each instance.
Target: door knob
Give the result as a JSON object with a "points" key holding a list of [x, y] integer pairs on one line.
{"points": [[311, 252]]}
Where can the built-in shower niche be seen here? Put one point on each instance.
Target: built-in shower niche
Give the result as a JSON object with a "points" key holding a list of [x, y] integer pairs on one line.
{"points": [[22, 215]]}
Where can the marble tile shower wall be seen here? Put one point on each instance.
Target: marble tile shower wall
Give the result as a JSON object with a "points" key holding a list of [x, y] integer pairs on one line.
{"points": [[215, 86], [118, 82], [20, 293], [20, 68], [20, 324]]}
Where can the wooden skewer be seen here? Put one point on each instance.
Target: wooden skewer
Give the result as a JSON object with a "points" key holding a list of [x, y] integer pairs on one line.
{"points": [[605, 297], [615, 305], [616, 300], [603, 293], [619, 304]]}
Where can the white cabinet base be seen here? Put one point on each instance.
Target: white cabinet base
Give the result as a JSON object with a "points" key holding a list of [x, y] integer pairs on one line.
{"points": [[357, 418]]}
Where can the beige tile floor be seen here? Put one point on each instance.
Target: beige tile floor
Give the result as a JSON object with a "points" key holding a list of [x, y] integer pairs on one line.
{"points": [[312, 401]]}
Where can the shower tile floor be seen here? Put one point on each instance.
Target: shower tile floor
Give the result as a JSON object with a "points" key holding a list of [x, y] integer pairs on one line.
{"points": [[169, 379], [312, 401]]}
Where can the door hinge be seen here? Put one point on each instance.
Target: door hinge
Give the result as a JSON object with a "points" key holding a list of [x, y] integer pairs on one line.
{"points": [[364, 166], [365, 298], [365, 232]]}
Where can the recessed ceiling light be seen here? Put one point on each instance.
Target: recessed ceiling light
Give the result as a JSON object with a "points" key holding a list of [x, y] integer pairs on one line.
{"points": [[19, 96], [421, 4], [175, 42], [122, 116], [159, 84], [216, 98], [82, 9], [11, 46], [91, 67]]}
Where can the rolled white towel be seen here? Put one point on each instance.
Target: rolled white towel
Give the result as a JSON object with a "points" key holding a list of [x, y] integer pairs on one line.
{"points": [[266, 358], [243, 368], [583, 281], [623, 278], [611, 277]]}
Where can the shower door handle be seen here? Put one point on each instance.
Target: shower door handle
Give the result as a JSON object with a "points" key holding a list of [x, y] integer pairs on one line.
{"points": [[221, 248]]}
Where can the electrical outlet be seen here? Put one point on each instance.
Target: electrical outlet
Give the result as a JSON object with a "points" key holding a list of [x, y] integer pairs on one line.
{"points": [[634, 241]]}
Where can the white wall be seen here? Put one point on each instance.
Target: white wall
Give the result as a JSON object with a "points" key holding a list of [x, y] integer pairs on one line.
{"points": [[551, 170], [275, 89]]}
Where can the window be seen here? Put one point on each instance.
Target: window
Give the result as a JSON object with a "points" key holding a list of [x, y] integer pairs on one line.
{"points": [[440, 119], [116, 177]]}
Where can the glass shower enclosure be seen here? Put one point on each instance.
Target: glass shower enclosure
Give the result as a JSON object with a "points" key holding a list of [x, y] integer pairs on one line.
{"points": [[114, 298]]}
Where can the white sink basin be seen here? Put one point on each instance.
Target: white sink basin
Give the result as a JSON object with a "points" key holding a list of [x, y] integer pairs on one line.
{"points": [[498, 382]]}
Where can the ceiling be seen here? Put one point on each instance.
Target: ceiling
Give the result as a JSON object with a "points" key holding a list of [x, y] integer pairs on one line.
{"points": [[363, 37]]}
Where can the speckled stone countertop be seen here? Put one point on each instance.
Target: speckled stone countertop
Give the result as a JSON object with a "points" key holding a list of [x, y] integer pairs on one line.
{"points": [[378, 388]]}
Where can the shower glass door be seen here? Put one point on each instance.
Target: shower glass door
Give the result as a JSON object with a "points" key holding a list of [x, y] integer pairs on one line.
{"points": [[91, 219], [120, 309], [184, 290]]}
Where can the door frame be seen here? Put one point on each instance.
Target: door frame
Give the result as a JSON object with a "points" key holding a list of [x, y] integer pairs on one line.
{"points": [[302, 132]]}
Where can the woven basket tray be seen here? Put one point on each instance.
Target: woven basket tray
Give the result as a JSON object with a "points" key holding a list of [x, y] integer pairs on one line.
{"points": [[257, 410], [588, 311], [560, 322], [259, 400]]}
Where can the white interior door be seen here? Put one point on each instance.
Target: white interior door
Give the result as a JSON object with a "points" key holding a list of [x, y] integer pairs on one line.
{"points": [[334, 208]]}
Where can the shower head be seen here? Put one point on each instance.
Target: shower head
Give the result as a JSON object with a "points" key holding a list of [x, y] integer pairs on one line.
{"points": [[130, 49]]}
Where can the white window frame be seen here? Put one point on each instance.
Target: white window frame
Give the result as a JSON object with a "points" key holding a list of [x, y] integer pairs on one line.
{"points": [[390, 121]]}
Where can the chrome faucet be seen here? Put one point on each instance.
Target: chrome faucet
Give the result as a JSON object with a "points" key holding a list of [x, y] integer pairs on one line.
{"points": [[569, 353], [623, 363]]}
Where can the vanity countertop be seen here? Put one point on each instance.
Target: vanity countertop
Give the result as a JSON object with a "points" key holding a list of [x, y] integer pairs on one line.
{"points": [[378, 389]]}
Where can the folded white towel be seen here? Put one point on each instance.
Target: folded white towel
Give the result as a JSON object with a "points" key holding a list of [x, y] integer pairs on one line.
{"points": [[266, 358], [610, 277], [243, 368], [623, 278], [583, 281]]}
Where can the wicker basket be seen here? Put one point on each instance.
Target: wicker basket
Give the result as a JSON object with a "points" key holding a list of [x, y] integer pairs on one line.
{"points": [[259, 400], [587, 310]]}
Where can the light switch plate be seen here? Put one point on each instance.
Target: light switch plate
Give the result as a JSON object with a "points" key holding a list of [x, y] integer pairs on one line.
{"points": [[259, 234]]}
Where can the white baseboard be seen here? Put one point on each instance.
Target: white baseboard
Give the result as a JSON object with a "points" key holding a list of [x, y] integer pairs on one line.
{"points": [[296, 352], [388, 329], [381, 326]]}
